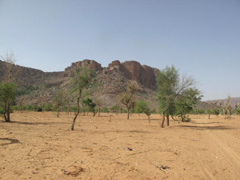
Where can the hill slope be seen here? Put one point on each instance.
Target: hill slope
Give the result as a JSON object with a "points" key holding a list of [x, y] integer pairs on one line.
{"points": [[37, 86]]}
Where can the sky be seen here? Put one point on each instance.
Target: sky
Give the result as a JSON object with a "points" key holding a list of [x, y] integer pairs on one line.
{"points": [[200, 38]]}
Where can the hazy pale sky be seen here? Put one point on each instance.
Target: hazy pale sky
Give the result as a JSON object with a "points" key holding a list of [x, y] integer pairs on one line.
{"points": [[201, 38]]}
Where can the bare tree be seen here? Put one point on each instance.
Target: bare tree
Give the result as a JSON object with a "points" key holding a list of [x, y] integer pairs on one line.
{"points": [[20, 102], [59, 100], [227, 109], [99, 104], [127, 98]]}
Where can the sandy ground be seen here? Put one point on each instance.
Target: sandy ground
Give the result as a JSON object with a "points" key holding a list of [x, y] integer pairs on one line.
{"points": [[41, 146]]}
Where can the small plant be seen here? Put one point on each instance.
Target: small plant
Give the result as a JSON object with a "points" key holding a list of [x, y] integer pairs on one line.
{"points": [[216, 112], [142, 107], [89, 104], [127, 97]]}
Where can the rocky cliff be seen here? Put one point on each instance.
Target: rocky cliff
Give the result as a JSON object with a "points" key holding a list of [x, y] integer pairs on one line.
{"points": [[132, 70], [111, 80]]}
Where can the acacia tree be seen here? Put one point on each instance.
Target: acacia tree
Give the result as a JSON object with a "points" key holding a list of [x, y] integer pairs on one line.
{"points": [[81, 81], [7, 96], [185, 102], [142, 107], [127, 98], [170, 87], [8, 87]]}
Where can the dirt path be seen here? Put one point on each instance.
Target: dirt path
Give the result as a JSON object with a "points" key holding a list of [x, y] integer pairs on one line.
{"points": [[223, 145], [41, 146]]}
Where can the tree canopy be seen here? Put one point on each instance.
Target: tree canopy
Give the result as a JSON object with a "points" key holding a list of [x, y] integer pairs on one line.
{"points": [[7, 96], [176, 95]]}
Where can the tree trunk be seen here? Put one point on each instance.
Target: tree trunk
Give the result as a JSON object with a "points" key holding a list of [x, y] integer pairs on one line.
{"points": [[208, 116], [163, 120], [8, 112], [78, 110], [149, 120], [127, 113], [98, 111], [167, 119], [57, 111], [73, 123]]}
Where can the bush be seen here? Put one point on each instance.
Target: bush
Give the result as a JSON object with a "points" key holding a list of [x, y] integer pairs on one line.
{"points": [[105, 109], [216, 112], [237, 111], [201, 111]]}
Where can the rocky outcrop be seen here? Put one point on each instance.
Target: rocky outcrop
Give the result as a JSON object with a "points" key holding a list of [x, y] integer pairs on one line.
{"points": [[91, 64], [133, 70], [36, 85]]}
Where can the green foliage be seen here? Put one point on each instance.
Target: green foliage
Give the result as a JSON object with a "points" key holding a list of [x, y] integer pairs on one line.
{"points": [[7, 97], [114, 108], [82, 79], [184, 103], [201, 111], [167, 81], [48, 107], [209, 111], [38, 108], [216, 111], [26, 90], [105, 109], [237, 111], [142, 107], [74, 108], [175, 95], [89, 104]]}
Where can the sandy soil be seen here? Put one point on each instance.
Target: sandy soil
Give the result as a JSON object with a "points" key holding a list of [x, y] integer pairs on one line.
{"points": [[41, 146]]}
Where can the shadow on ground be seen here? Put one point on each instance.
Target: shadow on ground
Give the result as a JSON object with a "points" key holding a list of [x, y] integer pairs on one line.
{"points": [[37, 123], [9, 141], [208, 127]]}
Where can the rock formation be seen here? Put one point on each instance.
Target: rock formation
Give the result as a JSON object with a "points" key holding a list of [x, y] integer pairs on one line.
{"points": [[111, 79]]}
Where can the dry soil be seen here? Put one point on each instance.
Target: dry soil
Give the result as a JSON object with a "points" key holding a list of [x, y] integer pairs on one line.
{"points": [[41, 146]]}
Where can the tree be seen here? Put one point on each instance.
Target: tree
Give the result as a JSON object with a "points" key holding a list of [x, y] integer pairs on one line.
{"points": [[89, 104], [99, 105], [20, 102], [59, 100], [7, 96], [127, 98], [11, 69], [8, 87], [142, 107], [185, 102], [170, 87], [81, 81]]}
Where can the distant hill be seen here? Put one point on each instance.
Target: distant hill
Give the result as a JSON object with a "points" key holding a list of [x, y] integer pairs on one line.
{"points": [[233, 101], [35, 85]]}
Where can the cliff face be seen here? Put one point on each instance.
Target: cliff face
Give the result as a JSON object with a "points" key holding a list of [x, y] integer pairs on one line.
{"points": [[132, 70], [144, 75], [112, 80]]}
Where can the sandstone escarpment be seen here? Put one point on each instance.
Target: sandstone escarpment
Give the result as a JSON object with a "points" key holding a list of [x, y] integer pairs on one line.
{"points": [[36, 85], [133, 70]]}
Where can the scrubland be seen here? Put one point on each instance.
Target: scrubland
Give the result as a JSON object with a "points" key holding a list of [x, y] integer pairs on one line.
{"points": [[38, 145]]}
